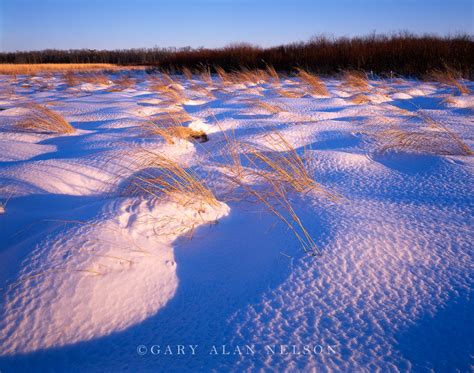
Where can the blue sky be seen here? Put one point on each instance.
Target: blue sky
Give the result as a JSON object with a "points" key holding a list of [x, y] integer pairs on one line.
{"points": [[111, 24]]}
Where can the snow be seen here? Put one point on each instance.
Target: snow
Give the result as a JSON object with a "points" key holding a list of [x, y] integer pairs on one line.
{"points": [[90, 272]]}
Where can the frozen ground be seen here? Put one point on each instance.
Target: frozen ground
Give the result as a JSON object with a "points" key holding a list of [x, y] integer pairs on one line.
{"points": [[88, 272]]}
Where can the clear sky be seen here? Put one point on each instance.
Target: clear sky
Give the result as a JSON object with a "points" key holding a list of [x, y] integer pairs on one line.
{"points": [[112, 24]]}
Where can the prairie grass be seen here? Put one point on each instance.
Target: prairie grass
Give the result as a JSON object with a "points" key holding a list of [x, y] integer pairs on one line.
{"points": [[44, 120], [205, 75], [278, 161], [31, 69], [162, 177], [255, 76], [356, 80], [71, 79], [451, 78], [166, 86], [94, 78], [360, 99], [428, 142], [433, 138], [273, 109], [289, 93], [272, 73], [278, 171], [316, 84], [187, 73], [223, 75], [124, 81], [171, 132], [173, 115]]}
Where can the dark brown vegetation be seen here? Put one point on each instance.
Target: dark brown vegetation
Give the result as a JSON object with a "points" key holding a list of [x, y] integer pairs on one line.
{"points": [[403, 53]]}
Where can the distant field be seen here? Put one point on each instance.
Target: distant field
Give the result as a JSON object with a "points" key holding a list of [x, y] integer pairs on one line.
{"points": [[55, 67]]}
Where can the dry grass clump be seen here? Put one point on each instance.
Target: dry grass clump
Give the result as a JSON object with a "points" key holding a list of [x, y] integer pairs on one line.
{"points": [[451, 78], [356, 80], [289, 93], [280, 171], [169, 125], [316, 84], [163, 177], [167, 87], [224, 77], [432, 142], [95, 78], [272, 73], [71, 79], [248, 76], [205, 75], [171, 132], [254, 76], [176, 115], [360, 99], [124, 82], [273, 109], [41, 119], [279, 161], [434, 138], [187, 73], [29, 69]]}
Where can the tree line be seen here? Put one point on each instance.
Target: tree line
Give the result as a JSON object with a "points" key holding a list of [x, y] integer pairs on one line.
{"points": [[402, 53]]}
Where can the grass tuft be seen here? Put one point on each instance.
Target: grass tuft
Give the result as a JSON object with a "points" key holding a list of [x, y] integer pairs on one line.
{"points": [[316, 84], [162, 177], [451, 78], [273, 109], [356, 80], [360, 99], [44, 120]]}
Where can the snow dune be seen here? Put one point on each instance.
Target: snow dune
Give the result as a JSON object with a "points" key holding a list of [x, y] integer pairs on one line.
{"points": [[90, 271]]}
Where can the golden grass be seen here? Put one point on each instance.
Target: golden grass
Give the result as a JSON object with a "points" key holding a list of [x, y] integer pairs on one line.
{"points": [[279, 170], [289, 93], [124, 82], [360, 99], [221, 73], [276, 166], [254, 76], [164, 85], [163, 177], [28, 69], [175, 115], [435, 138], [356, 80], [172, 132], [95, 78], [273, 109], [432, 142], [187, 73], [71, 79], [42, 119], [205, 75], [272, 73], [279, 162], [316, 84], [451, 78], [169, 125]]}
